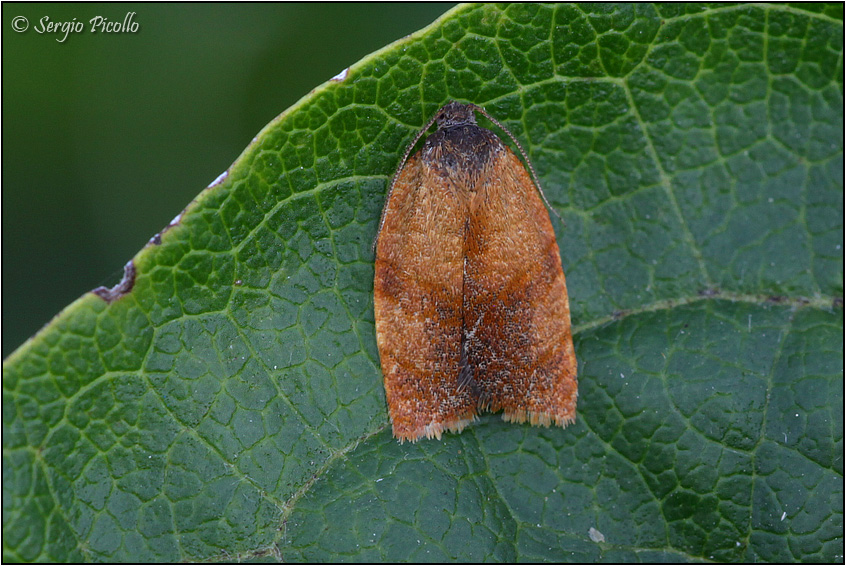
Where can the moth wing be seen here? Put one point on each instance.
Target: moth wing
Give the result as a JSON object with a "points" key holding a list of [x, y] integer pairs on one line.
{"points": [[517, 327], [418, 305]]}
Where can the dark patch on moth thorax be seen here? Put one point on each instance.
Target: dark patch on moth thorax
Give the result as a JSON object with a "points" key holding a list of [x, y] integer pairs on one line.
{"points": [[465, 149], [126, 284]]}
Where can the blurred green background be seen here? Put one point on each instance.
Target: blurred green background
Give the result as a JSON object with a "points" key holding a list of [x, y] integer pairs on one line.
{"points": [[106, 137]]}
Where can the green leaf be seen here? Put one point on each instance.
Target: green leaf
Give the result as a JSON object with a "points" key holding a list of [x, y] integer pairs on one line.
{"points": [[226, 402]]}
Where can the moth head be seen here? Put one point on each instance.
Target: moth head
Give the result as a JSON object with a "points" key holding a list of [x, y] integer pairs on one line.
{"points": [[455, 114]]}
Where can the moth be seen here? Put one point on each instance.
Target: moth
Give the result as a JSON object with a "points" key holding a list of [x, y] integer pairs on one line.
{"points": [[471, 303]]}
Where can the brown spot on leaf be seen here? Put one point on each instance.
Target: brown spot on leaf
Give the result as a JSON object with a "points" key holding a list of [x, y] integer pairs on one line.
{"points": [[111, 295]]}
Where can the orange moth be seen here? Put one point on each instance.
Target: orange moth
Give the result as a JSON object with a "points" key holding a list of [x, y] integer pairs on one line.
{"points": [[470, 298]]}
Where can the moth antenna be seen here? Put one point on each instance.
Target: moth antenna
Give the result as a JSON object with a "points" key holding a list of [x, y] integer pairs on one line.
{"points": [[522, 152], [396, 175]]}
